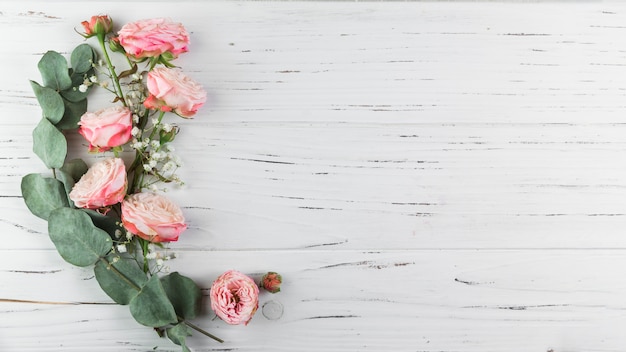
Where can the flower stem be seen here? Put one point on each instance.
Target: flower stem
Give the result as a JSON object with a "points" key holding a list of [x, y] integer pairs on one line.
{"points": [[116, 80], [200, 330]]}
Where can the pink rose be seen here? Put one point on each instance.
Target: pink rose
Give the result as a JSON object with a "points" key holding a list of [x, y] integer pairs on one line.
{"points": [[152, 217], [234, 297], [106, 128], [104, 184], [154, 37], [170, 89]]}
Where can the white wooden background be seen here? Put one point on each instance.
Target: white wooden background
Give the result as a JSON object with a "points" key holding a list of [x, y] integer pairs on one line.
{"points": [[426, 176]]}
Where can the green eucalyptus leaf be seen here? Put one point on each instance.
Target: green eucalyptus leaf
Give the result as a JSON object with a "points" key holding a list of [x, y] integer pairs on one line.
{"points": [[68, 183], [82, 58], [73, 93], [50, 101], [184, 294], [42, 195], [76, 168], [107, 223], [76, 238], [120, 277], [72, 115], [49, 144], [178, 334], [151, 307], [54, 71]]}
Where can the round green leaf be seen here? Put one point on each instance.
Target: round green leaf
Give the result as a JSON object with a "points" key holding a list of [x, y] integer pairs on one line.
{"points": [[72, 115], [82, 58], [68, 183], [54, 71], [76, 238], [178, 335], [42, 195], [110, 224], [120, 278], [150, 307], [75, 168], [50, 101], [184, 294], [73, 93], [49, 144]]}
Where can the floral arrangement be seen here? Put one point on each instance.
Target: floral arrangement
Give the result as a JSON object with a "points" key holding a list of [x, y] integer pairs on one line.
{"points": [[111, 215]]}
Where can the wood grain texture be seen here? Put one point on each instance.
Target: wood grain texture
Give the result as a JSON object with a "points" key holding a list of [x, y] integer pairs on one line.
{"points": [[426, 176]]}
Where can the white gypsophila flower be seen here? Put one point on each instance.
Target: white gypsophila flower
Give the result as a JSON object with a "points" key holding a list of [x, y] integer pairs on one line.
{"points": [[136, 77], [118, 233], [157, 156], [153, 188], [129, 235], [147, 167], [167, 127], [155, 121], [104, 84], [170, 148], [151, 255], [155, 144], [169, 166], [159, 262], [153, 163], [136, 132], [121, 248], [82, 88], [94, 79], [135, 119]]}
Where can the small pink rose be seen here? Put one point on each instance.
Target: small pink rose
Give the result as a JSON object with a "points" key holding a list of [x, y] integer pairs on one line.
{"points": [[154, 37], [172, 90], [234, 297], [271, 282], [106, 128], [97, 25], [152, 217], [104, 184]]}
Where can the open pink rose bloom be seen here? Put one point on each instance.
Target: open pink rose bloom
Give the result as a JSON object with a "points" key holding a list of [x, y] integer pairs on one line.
{"points": [[104, 184], [153, 37], [234, 297], [172, 90], [152, 217], [106, 128]]}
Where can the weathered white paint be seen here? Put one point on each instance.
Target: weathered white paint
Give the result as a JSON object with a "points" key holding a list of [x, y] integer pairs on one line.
{"points": [[426, 176]]}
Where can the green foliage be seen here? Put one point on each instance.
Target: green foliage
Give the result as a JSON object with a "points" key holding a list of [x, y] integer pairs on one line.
{"points": [[82, 58], [54, 71], [50, 101], [151, 307], [76, 168], [76, 238], [42, 195], [178, 335], [120, 277], [184, 294], [49, 144], [68, 182], [73, 112]]}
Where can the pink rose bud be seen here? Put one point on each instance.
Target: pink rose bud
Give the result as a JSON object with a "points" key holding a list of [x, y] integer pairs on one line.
{"points": [[152, 217], [271, 282], [172, 90], [106, 128], [234, 297], [98, 25], [104, 184], [153, 38]]}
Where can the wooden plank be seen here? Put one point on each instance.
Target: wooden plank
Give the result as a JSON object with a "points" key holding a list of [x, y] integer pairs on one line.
{"points": [[424, 300]]}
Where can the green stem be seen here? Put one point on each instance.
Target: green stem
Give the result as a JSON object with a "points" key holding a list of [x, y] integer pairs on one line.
{"points": [[154, 129], [118, 273], [200, 330], [144, 250], [116, 80]]}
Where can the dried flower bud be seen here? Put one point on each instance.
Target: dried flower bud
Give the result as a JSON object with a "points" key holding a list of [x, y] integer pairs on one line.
{"points": [[115, 46], [271, 282]]}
